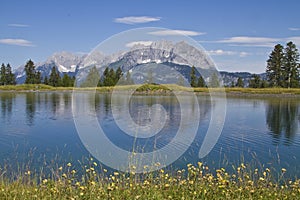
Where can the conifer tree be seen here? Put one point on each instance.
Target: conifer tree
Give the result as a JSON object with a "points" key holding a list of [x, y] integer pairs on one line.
{"points": [[274, 66], [290, 67], [193, 77]]}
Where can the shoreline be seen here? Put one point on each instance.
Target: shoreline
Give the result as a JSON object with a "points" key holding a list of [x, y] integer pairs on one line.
{"points": [[163, 90]]}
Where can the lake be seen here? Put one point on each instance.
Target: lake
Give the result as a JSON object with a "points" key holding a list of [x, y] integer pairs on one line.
{"points": [[38, 129]]}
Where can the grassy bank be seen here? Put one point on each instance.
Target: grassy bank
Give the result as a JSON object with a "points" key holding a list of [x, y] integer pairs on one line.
{"points": [[149, 88], [197, 182]]}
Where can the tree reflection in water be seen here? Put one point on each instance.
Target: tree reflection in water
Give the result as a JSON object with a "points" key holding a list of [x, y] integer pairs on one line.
{"points": [[282, 118]]}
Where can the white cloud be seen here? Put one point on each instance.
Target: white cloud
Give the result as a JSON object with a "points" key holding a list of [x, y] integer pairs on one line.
{"points": [[294, 29], [145, 43], [18, 42], [19, 25], [251, 41], [136, 20], [220, 52], [176, 32]]}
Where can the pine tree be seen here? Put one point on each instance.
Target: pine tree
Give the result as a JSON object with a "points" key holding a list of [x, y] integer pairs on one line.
{"points": [[290, 68], [193, 77], [255, 81], [30, 73], [54, 78], [119, 75], [45, 81], [38, 77], [92, 78], [66, 81], [240, 83], [3, 75], [109, 77], [274, 66], [201, 82], [10, 77]]}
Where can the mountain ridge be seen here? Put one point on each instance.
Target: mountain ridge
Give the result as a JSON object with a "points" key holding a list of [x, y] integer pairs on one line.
{"points": [[178, 54]]}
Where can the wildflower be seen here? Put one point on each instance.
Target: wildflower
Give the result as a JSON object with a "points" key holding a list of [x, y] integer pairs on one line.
{"points": [[81, 193], [116, 173], [265, 174], [45, 181], [28, 172], [69, 164], [93, 182], [167, 185], [82, 187], [200, 164], [267, 170], [95, 164], [243, 166], [64, 175], [73, 171], [105, 170], [283, 170], [60, 168]]}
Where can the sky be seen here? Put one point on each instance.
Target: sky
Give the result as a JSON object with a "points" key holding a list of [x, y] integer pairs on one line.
{"points": [[238, 35]]}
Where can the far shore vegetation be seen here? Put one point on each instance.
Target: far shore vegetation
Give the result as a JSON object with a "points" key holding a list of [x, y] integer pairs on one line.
{"points": [[282, 76]]}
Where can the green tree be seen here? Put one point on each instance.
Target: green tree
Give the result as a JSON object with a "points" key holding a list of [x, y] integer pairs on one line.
{"points": [[119, 75], [240, 83], [290, 68], [54, 78], [201, 82], [30, 73], [109, 77], [67, 81], [255, 81], [264, 84], [92, 79], [214, 81], [274, 66], [193, 77], [46, 81], [3, 75], [10, 77], [38, 77]]}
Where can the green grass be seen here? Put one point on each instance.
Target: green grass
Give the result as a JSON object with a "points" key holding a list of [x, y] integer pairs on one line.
{"points": [[153, 89], [197, 182]]}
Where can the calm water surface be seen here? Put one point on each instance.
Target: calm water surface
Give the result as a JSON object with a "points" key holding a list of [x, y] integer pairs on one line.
{"points": [[38, 129]]}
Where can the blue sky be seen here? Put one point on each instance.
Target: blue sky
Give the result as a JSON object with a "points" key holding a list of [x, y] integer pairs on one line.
{"points": [[238, 35]]}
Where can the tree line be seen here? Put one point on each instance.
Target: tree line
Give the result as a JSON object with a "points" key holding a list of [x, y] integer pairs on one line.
{"points": [[110, 77], [34, 77], [283, 70], [6, 75]]}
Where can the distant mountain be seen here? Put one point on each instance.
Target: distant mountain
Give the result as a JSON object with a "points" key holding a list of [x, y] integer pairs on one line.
{"points": [[229, 77], [180, 57]]}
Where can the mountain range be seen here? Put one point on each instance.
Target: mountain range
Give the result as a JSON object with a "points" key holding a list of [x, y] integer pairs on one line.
{"points": [[179, 57]]}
